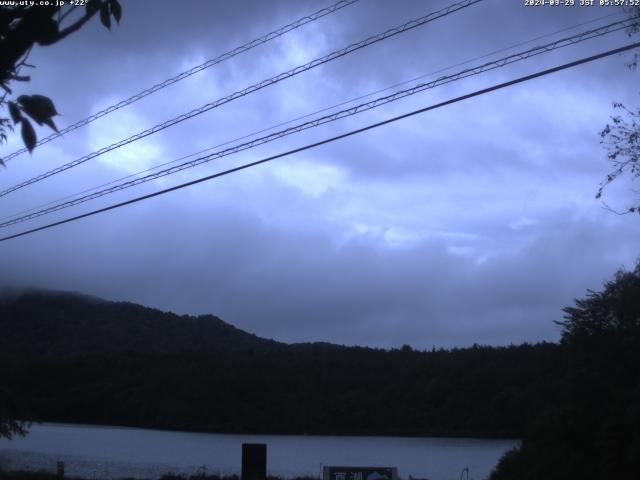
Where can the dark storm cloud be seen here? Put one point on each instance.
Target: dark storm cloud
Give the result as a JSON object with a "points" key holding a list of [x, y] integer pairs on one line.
{"points": [[472, 223], [301, 285]]}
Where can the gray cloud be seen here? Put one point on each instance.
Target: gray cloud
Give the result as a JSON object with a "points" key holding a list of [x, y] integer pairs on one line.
{"points": [[471, 223]]}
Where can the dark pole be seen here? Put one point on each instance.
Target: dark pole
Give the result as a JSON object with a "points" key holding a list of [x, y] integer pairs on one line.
{"points": [[254, 461]]}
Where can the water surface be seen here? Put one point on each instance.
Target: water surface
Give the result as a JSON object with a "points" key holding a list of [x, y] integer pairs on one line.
{"points": [[108, 452]]}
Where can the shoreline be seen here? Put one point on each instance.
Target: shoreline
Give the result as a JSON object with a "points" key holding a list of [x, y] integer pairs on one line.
{"points": [[46, 475], [453, 435]]}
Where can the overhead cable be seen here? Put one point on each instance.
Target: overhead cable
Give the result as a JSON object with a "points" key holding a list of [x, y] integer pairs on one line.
{"points": [[332, 139], [516, 57], [253, 88], [302, 117], [198, 68]]}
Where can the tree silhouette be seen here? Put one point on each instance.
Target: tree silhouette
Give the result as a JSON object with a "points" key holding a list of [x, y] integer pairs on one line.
{"points": [[615, 311], [11, 408], [591, 430], [22, 27], [621, 137]]}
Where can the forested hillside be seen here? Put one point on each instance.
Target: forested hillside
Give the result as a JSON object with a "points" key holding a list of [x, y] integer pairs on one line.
{"points": [[472, 392], [53, 324], [575, 404], [80, 359]]}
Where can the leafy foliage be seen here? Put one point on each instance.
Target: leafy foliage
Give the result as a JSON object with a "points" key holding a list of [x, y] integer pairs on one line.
{"points": [[592, 429], [634, 13], [613, 312], [22, 27], [39, 108], [621, 137]]}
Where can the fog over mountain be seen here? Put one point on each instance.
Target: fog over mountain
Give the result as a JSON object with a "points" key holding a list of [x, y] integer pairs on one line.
{"points": [[473, 223]]}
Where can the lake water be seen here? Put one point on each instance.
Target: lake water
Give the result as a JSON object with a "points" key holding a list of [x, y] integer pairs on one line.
{"points": [[111, 452]]}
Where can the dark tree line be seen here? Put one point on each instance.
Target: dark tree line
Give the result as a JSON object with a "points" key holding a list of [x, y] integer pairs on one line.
{"points": [[575, 404], [80, 359], [591, 429], [480, 391]]}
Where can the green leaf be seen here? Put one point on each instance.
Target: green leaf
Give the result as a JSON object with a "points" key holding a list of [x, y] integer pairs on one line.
{"points": [[51, 125], [38, 107], [104, 15], [14, 110], [46, 32], [116, 10], [28, 135], [92, 6]]}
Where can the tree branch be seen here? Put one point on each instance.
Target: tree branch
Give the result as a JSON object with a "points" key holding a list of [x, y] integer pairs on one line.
{"points": [[64, 15], [77, 25]]}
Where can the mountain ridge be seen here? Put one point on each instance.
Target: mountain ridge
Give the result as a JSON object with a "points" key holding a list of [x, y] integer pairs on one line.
{"points": [[81, 360], [39, 322]]}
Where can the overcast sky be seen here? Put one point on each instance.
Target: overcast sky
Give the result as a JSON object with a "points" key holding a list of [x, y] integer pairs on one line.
{"points": [[473, 223]]}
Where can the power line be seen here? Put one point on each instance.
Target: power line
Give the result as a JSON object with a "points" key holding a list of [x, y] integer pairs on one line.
{"points": [[272, 127], [253, 88], [346, 102], [580, 37], [198, 68], [307, 115], [333, 139]]}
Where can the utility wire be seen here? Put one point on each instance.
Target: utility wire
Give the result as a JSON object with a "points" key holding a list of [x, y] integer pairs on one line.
{"points": [[273, 127], [598, 32], [181, 76], [253, 88], [307, 115], [333, 139], [302, 117]]}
